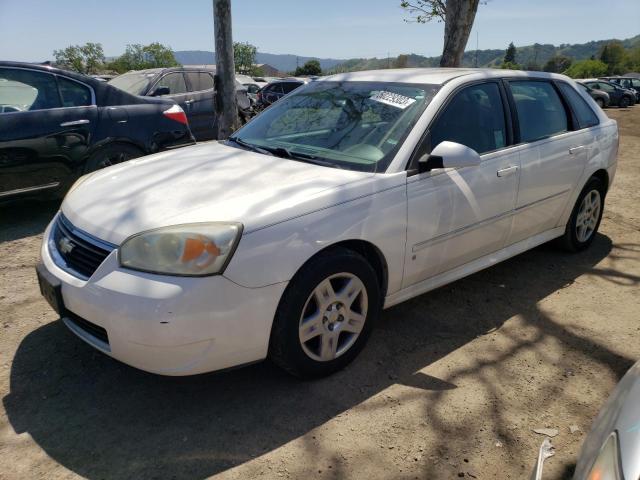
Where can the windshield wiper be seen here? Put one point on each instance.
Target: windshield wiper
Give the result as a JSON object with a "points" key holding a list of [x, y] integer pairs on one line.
{"points": [[250, 146]]}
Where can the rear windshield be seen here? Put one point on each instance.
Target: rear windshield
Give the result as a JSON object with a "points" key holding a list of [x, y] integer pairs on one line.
{"points": [[135, 83]]}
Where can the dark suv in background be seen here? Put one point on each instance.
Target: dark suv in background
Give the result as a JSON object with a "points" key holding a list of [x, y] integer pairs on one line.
{"points": [[57, 125], [274, 91], [629, 83], [190, 87]]}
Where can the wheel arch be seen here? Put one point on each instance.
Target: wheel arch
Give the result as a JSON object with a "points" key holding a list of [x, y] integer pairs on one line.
{"points": [[601, 175]]}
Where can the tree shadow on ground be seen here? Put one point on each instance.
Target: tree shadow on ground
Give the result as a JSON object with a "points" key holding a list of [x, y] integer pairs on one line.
{"points": [[102, 419]]}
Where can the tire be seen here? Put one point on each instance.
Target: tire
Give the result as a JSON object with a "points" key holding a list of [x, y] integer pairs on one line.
{"points": [[111, 154], [624, 102], [600, 102], [589, 206], [303, 311]]}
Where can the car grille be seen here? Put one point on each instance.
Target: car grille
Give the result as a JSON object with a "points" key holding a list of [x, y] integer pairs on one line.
{"points": [[90, 328], [80, 253]]}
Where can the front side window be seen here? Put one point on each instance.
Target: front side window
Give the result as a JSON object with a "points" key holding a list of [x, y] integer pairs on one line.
{"points": [[474, 118], [635, 83], [606, 87], [290, 86], [175, 82], [27, 90], [351, 125], [586, 117], [73, 94], [540, 110]]}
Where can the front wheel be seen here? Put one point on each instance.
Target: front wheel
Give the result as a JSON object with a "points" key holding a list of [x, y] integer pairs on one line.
{"points": [[624, 102], [585, 217], [600, 102], [326, 314]]}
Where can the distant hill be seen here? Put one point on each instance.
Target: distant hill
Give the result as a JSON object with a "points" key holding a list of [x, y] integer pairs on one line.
{"points": [[283, 62], [538, 53]]}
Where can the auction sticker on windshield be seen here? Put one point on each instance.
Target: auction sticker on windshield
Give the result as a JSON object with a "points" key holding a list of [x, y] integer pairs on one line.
{"points": [[393, 99]]}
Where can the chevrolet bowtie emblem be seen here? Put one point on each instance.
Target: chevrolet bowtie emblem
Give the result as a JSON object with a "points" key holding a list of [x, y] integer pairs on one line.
{"points": [[65, 245]]}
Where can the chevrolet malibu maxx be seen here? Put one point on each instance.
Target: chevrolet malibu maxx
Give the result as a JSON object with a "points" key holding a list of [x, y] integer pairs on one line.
{"points": [[352, 194]]}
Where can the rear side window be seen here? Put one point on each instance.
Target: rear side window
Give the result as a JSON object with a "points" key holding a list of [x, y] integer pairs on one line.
{"points": [[73, 94], [276, 88], [586, 116], [290, 86], [200, 81], [175, 82], [27, 90], [540, 110], [474, 118]]}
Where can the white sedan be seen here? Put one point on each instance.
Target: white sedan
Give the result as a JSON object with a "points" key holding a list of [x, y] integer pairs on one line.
{"points": [[352, 194]]}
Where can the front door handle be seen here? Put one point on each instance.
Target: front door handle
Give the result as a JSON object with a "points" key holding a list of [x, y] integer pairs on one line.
{"points": [[575, 150], [506, 172], [74, 123]]}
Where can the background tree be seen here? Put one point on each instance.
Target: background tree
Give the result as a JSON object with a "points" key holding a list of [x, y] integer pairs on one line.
{"points": [[510, 54], [402, 61], [510, 66], [87, 58], [557, 64], [140, 57], [458, 17], [312, 67], [244, 56], [613, 54], [587, 69]]}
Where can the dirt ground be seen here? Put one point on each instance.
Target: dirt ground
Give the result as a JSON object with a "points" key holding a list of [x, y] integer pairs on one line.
{"points": [[450, 385]]}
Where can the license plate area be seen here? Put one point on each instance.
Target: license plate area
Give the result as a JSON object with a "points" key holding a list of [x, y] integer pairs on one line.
{"points": [[50, 289]]}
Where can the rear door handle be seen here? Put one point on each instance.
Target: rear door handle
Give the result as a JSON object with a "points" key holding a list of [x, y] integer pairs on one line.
{"points": [[575, 150], [74, 123], [506, 172]]}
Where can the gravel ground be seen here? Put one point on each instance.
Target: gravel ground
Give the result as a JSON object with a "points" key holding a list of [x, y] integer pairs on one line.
{"points": [[451, 384]]}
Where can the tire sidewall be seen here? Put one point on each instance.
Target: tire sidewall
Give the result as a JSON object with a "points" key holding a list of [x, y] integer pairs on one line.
{"points": [[571, 235], [600, 102], [624, 102], [285, 348]]}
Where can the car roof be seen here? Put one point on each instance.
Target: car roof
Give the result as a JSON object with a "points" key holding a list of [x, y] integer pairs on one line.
{"points": [[48, 68], [433, 76]]}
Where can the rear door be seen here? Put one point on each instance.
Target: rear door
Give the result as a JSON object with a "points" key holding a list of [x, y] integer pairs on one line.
{"points": [[552, 159], [201, 112], [46, 132], [178, 91]]}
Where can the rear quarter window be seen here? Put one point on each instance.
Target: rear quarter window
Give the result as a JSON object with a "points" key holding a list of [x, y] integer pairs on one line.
{"points": [[586, 117]]}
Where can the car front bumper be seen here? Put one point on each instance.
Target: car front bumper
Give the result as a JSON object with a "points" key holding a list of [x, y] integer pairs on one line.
{"points": [[164, 324]]}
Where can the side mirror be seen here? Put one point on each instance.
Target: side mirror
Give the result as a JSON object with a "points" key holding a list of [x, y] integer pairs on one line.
{"points": [[449, 155], [159, 91]]}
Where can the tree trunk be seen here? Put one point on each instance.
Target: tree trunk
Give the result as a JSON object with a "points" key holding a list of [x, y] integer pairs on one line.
{"points": [[459, 18], [226, 103]]}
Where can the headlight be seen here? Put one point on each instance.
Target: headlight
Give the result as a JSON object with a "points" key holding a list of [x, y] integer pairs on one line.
{"points": [[607, 465], [196, 249]]}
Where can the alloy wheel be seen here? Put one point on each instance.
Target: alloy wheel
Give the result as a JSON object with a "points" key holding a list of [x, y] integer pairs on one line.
{"points": [[333, 317], [588, 215]]}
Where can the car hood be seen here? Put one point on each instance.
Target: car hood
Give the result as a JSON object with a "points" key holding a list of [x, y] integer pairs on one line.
{"points": [[206, 182]]}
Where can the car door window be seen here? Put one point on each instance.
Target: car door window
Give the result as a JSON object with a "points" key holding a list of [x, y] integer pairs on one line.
{"points": [[289, 86], [605, 86], [73, 94], [475, 118], [586, 117], [540, 110], [175, 82], [205, 81], [635, 83], [27, 90], [275, 89]]}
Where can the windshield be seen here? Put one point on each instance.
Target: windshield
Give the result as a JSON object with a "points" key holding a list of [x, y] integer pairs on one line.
{"points": [[352, 125], [133, 82]]}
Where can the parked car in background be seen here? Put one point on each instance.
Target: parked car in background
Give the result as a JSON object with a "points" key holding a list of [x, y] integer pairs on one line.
{"points": [[56, 126], [274, 91], [352, 194], [619, 97], [191, 88], [600, 97], [253, 89], [630, 83]]}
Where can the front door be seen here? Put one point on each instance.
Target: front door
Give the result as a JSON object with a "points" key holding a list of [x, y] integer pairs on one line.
{"points": [[458, 215]]}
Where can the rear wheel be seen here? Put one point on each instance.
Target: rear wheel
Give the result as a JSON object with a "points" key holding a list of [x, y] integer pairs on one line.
{"points": [[624, 102], [326, 314], [600, 102], [586, 216], [111, 155]]}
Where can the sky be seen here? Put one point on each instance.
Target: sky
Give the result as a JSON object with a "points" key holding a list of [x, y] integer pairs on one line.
{"points": [[31, 29]]}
